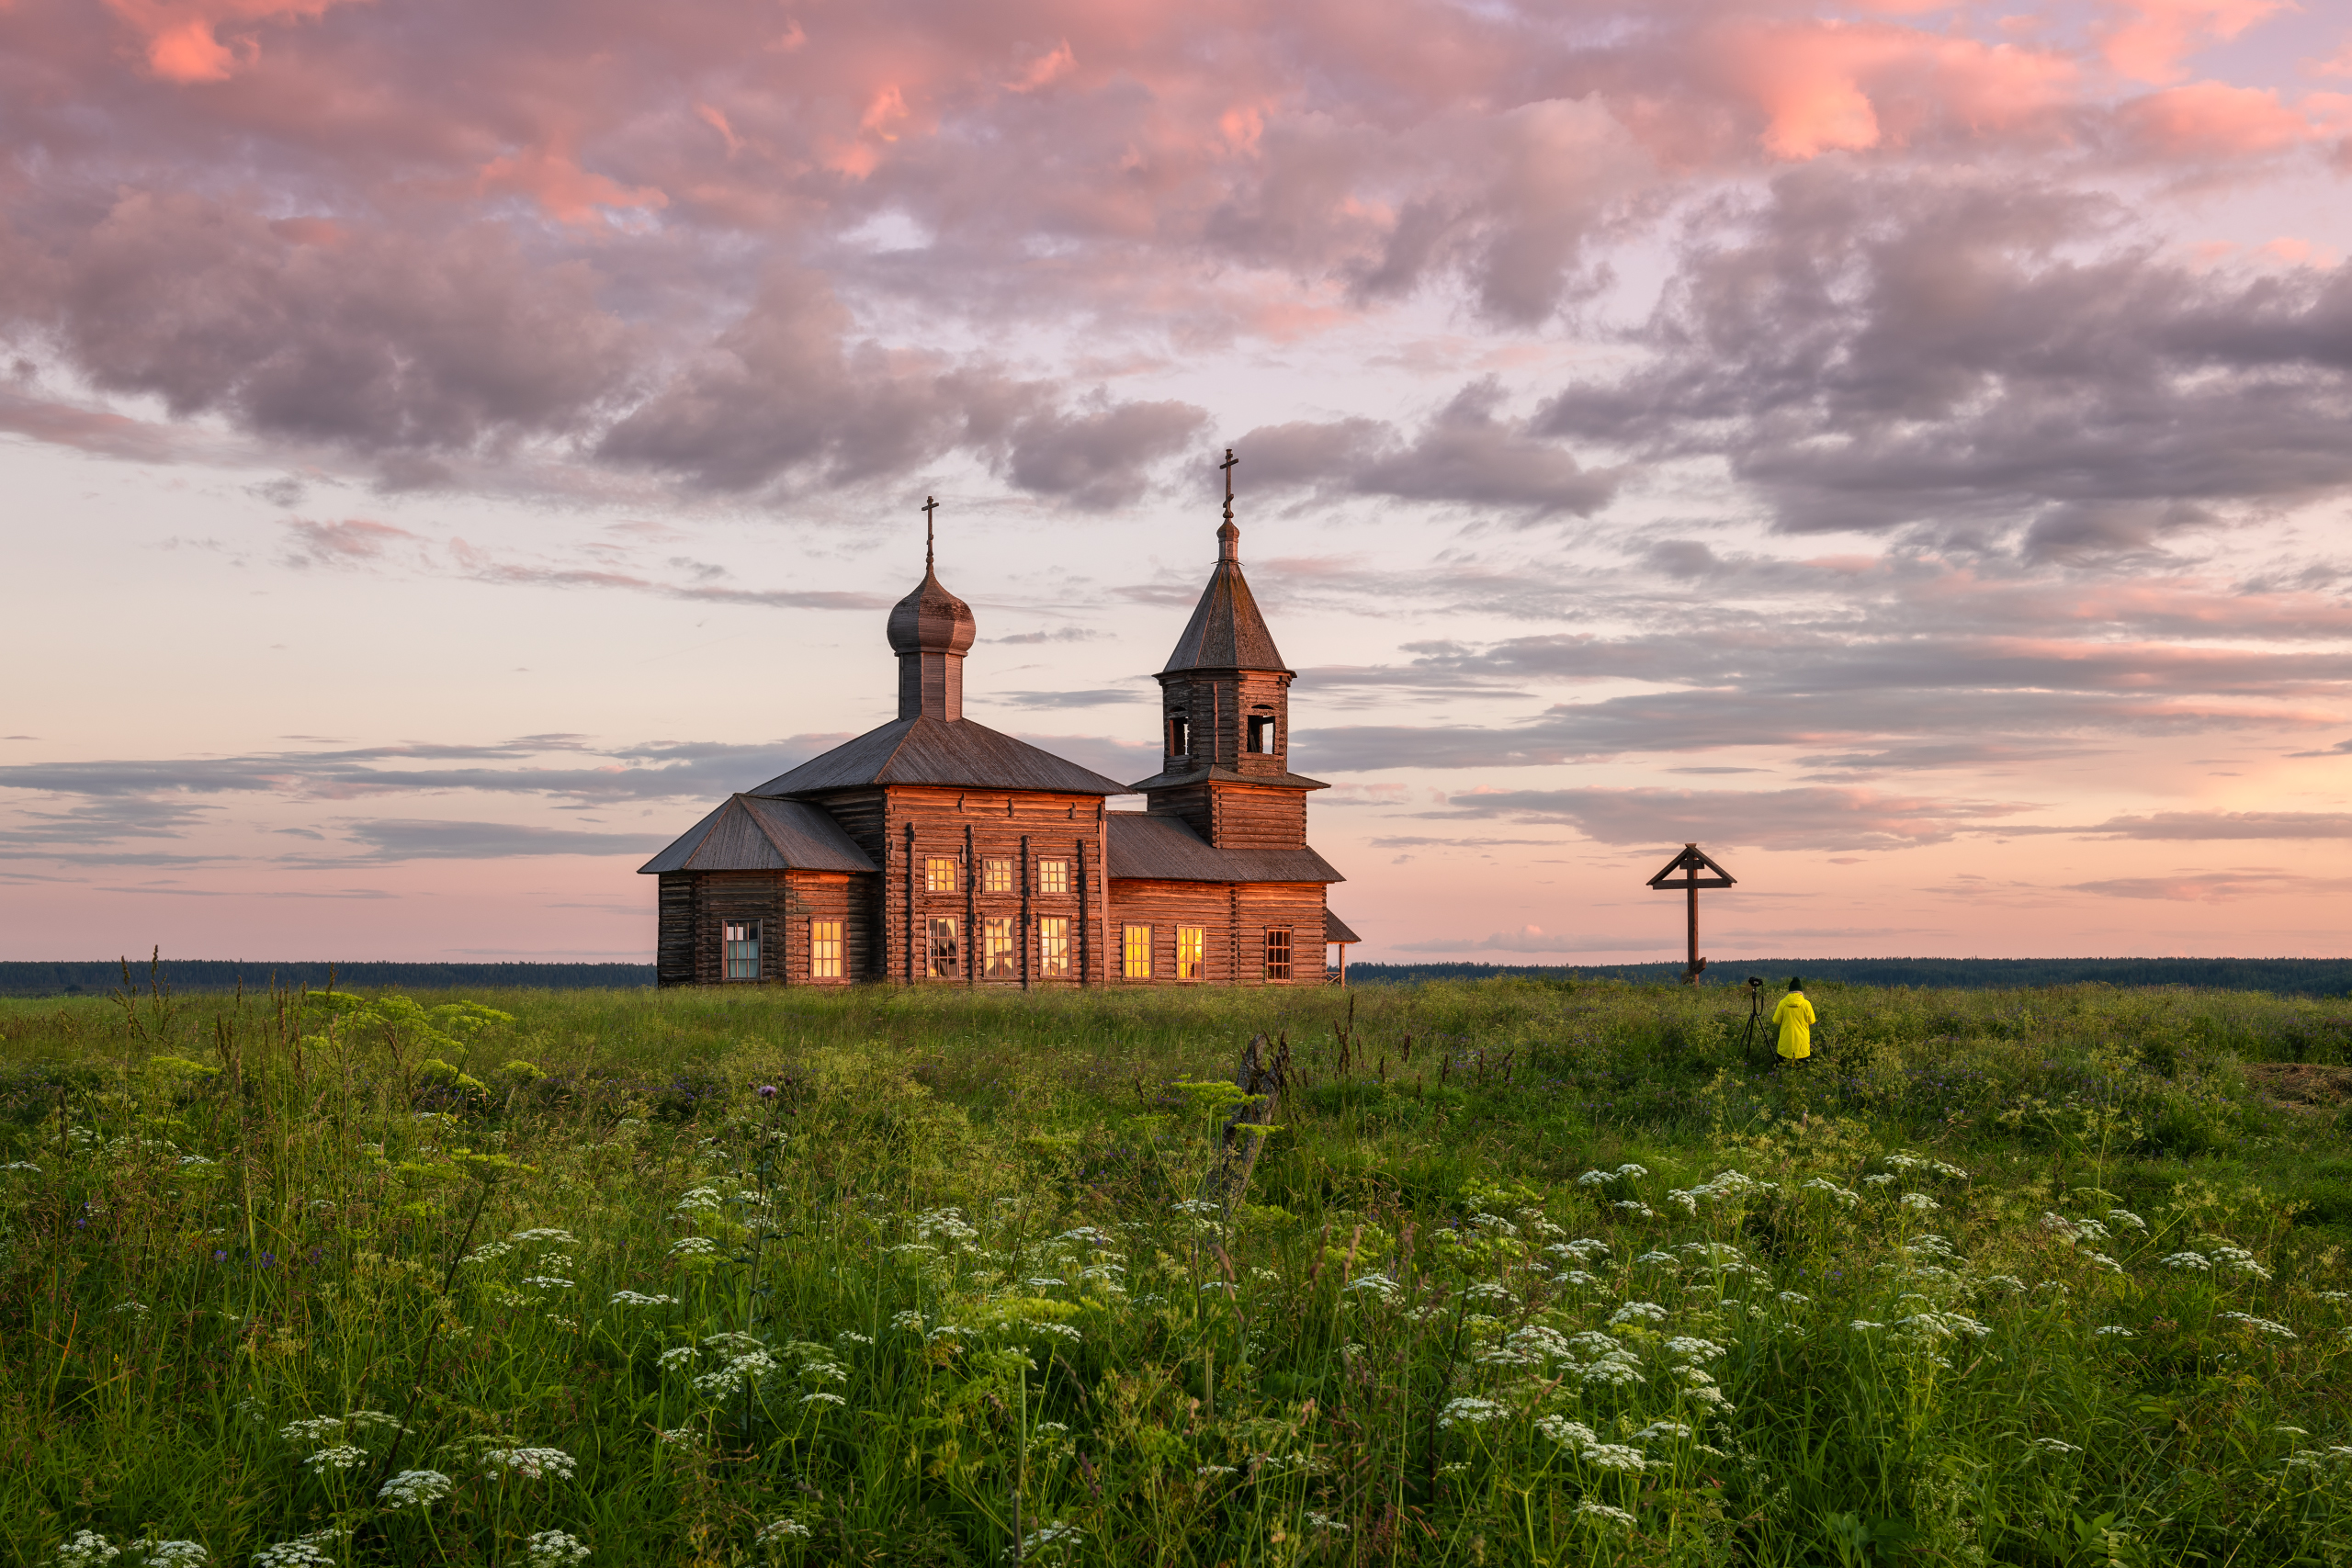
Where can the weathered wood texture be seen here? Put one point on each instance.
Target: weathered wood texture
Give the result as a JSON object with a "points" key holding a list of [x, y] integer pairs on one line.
{"points": [[695, 907], [1237, 817], [1217, 705], [1263, 1078], [1234, 917], [971, 828]]}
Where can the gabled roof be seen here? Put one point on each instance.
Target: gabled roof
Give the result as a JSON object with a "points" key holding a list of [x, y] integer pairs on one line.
{"points": [[1216, 773], [959, 753], [1337, 929], [1164, 849], [1226, 632], [750, 834]]}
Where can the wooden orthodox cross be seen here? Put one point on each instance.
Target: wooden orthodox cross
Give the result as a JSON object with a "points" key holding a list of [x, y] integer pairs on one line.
{"points": [[1690, 863], [930, 505], [1227, 466]]}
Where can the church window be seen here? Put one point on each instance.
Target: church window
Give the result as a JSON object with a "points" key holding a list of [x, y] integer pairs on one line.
{"points": [[939, 874], [1261, 733], [1052, 877], [742, 939], [944, 949], [998, 962], [824, 950], [1135, 954], [1278, 955], [1053, 948], [996, 876], [1179, 735], [1192, 953]]}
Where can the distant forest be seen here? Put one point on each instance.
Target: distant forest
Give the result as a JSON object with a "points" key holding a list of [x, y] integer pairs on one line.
{"points": [[77, 980], [2287, 976]]}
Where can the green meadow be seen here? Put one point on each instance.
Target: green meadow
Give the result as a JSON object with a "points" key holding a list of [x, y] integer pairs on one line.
{"points": [[1524, 1273]]}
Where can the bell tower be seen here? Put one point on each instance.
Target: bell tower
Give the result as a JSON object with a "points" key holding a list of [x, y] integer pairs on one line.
{"points": [[1225, 716]]}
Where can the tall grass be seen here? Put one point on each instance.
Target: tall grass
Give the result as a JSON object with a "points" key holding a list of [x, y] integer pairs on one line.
{"points": [[1529, 1274]]}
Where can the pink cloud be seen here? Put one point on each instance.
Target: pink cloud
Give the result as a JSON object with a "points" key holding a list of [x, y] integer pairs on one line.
{"points": [[183, 37], [1832, 86], [564, 190], [2148, 40], [2208, 119]]}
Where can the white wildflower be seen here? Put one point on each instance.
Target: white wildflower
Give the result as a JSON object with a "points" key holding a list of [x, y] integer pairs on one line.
{"points": [[1638, 1312], [553, 1549], [170, 1553], [632, 1299], [342, 1456], [1692, 1348], [303, 1552], [312, 1429], [1657, 1430], [1603, 1511], [776, 1531], [1793, 1298], [417, 1488], [2261, 1325], [529, 1464], [1614, 1456], [2127, 1219], [1920, 1202], [2116, 1330], [1052, 1537], [84, 1547], [675, 1356], [1560, 1429], [694, 1246], [1471, 1411]]}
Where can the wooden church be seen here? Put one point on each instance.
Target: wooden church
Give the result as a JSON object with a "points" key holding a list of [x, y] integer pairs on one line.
{"points": [[936, 850]]}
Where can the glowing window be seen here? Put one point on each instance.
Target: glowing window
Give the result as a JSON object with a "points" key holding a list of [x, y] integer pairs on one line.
{"points": [[996, 876], [1135, 954], [1278, 955], [824, 950], [997, 951], [1192, 953], [939, 874], [742, 950], [943, 949], [1053, 948], [1052, 877]]}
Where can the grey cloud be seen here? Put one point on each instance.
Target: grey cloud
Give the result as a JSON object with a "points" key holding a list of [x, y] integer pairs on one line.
{"points": [[1098, 457], [782, 390], [2211, 886], [346, 542], [146, 788], [1063, 633], [379, 339], [2200, 826], [1804, 819], [399, 838], [1880, 352], [1465, 455], [1100, 697]]}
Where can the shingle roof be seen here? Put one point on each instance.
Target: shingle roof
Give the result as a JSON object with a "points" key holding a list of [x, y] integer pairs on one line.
{"points": [[1226, 632], [749, 834], [1338, 930], [960, 753], [1220, 775], [1164, 849]]}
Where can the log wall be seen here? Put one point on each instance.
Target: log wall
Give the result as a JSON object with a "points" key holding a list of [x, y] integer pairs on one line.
{"points": [[1237, 917]]}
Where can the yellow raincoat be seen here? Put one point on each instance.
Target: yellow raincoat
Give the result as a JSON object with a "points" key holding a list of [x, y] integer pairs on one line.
{"points": [[1793, 1018]]}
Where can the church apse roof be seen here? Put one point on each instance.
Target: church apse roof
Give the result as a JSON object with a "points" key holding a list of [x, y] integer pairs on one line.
{"points": [[750, 834], [956, 753]]}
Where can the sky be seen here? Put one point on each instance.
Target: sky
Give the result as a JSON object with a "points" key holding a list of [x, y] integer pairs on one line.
{"points": [[1904, 447]]}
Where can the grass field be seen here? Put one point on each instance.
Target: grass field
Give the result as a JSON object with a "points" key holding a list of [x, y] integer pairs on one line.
{"points": [[1526, 1273]]}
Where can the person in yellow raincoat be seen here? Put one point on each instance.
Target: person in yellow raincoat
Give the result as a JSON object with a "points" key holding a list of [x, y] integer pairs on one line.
{"points": [[1793, 1018]]}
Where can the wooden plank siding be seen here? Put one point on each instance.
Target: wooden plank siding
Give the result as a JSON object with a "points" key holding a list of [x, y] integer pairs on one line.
{"points": [[1237, 817], [971, 827], [1237, 917], [695, 907]]}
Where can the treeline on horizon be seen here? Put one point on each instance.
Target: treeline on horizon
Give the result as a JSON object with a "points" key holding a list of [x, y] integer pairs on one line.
{"points": [[2285, 976]]}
